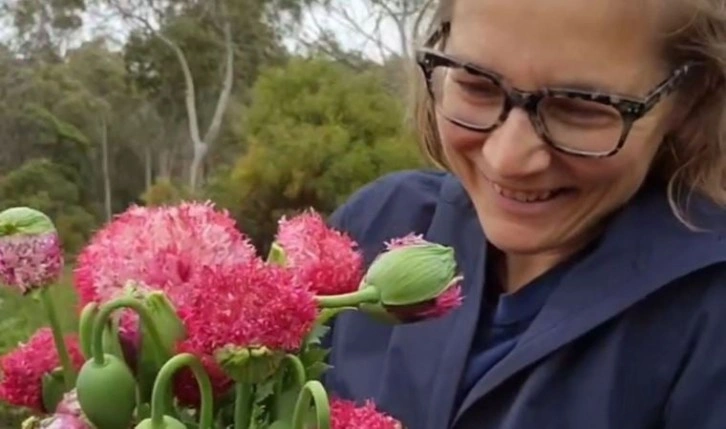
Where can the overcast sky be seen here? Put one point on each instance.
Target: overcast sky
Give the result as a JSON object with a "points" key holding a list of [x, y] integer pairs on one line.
{"points": [[350, 39]]}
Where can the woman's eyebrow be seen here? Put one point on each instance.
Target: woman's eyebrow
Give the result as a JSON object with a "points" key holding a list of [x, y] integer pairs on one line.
{"points": [[574, 84]]}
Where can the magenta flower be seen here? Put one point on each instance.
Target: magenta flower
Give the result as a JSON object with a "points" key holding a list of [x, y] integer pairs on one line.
{"points": [[30, 251], [347, 415], [326, 260], [23, 369], [165, 248], [248, 306]]}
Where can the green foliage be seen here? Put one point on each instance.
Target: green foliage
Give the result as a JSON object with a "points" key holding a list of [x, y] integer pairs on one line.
{"points": [[45, 186], [316, 132], [164, 192]]}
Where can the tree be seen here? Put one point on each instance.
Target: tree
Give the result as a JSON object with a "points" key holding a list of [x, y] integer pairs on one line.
{"points": [[43, 27], [149, 17], [317, 132], [391, 28]]}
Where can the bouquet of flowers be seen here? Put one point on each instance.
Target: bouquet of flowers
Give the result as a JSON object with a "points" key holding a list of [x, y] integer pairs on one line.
{"points": [[183, 325]]}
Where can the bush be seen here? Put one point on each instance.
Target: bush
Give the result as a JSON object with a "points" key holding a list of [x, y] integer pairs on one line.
{"points": [[316, 132], [164, 192], [42, 185]]}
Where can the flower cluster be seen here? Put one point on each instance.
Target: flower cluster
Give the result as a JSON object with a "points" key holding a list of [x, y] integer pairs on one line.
{"points": [[223, 330]]}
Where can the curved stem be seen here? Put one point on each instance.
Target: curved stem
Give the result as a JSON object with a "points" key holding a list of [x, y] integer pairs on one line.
{"points": [[162, 385], [312, 390], [69, 373], [298, 370], [105, 313], [85, 327], [366, 295], [243, 405]]}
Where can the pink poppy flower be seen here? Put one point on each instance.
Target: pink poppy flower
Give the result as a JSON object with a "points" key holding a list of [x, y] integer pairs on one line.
{"points": [[22, 369], [347, 415], [162, 247], [249, 305], [326, 260]]}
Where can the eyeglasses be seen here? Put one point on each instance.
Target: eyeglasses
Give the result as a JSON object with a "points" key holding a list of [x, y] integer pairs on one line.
{"points": [[581, 123]]}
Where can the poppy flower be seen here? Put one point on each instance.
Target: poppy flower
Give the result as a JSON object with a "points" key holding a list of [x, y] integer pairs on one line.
{"points": [[326, 260], [30, 251]]}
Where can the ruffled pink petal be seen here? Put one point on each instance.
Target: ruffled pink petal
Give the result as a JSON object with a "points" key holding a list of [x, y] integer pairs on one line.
{"points": [[326, 260], [22, 369], [30, 261], [347, 415]]}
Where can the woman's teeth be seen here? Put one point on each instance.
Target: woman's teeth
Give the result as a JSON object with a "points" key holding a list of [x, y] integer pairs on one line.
{"points": [[525, 197]]}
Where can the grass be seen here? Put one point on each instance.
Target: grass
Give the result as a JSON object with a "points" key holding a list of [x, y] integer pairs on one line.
{"points": [[20, 317]]}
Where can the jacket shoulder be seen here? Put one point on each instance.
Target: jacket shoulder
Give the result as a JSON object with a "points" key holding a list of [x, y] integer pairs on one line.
{"points": [[391, 206]]}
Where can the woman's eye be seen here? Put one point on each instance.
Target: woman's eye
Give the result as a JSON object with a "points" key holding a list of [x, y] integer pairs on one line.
{"points": [[485, 89]]}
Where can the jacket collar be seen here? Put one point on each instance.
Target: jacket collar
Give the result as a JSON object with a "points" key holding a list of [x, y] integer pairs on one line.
{"points": [[644, 248]]}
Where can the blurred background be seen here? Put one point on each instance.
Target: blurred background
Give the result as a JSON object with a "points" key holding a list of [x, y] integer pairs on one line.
{"points": [[264, 107]]}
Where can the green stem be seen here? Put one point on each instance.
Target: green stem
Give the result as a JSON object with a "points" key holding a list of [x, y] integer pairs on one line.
{"points": [[102, 320], [244, 395], [69, 373], [366, 295], [162, 388], [85, 327], [312, 390], [298, 370]]}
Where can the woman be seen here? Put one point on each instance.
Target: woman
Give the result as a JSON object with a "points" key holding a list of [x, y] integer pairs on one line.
{"points": [[584, 150]]}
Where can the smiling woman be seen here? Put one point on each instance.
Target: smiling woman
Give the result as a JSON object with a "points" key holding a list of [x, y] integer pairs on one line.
{"points": [[581, 142]]}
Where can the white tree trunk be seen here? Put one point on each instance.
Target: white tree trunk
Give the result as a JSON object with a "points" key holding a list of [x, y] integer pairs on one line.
{"points": [[200, 145], [106, 173], [148, 171]]}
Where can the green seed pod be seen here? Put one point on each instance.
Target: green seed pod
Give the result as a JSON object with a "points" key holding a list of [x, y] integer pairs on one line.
{"points": [[167, 423], [107, 393], [412, 274]]}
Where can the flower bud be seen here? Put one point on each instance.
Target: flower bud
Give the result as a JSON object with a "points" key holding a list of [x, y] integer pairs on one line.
{"points": [[166, 319], [167, 423], [415, 279], [107, 393], [30, 251]]}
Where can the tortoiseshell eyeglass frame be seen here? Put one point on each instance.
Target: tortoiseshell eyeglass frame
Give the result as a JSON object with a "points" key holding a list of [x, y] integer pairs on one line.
{"points": [[630, 108]]}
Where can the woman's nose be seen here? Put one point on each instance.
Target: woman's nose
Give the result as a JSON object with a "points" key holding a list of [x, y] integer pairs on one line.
{"points": [[514, 149]]}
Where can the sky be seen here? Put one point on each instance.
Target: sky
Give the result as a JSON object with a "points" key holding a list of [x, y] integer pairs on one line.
{"points": [[349, 39]]}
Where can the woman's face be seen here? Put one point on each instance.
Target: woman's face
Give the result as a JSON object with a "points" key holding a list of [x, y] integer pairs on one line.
{"points": [[530, 198]]}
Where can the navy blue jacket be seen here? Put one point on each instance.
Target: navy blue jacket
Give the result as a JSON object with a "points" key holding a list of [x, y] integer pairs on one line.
{"points": [[634, 336]]}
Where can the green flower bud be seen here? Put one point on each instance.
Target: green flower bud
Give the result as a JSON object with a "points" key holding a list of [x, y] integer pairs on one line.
{"points": [[412, 280], [167, 320], [168, 423], [53, 388], [25, 221], [412, 274], [107, 393], [277, 255]]}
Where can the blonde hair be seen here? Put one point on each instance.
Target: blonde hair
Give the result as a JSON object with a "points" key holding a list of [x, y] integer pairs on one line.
{"points": [[692, 160]]}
